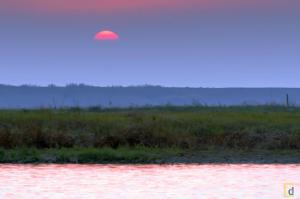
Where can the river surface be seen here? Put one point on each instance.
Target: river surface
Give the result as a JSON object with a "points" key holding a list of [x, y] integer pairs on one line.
{"points": [[147, 181]]}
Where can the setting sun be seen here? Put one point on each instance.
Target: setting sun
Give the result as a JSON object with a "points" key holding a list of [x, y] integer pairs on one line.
{"points": [[106, 35]]}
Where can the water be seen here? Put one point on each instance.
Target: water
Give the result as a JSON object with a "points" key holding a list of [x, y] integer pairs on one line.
{"points": [[147, 182]]}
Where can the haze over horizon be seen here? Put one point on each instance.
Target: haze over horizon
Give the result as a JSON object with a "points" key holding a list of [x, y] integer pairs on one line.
{"points": [[139, 96], [184, 44]]}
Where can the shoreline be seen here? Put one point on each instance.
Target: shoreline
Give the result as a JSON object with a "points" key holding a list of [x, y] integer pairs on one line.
{"points": [[146, 156]]}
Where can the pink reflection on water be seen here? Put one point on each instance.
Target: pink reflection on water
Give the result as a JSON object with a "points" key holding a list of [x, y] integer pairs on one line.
{"points": [[146, 181]]}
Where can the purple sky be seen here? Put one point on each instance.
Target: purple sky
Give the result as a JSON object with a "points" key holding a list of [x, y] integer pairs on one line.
{"points": [[216, 43]]}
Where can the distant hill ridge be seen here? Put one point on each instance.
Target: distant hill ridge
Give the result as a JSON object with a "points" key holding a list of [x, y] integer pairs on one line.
{"points": [[28, 96]]}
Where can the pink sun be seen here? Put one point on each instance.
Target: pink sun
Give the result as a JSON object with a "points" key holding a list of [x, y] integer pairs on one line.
{"points": [[106, 35]]}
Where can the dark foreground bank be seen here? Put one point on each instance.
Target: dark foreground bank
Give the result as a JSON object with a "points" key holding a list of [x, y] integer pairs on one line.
{"points": [[147, 156], [266, 134]]}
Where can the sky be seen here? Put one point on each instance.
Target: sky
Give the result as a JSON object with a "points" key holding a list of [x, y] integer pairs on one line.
{"points": [[182, 43]]}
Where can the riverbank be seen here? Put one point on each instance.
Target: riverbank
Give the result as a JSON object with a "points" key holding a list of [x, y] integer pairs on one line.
{"points": [[147, 156], [263, 134]]}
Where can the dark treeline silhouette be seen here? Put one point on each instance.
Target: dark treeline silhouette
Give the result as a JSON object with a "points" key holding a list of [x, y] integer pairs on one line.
{"points": [[80, 95]]}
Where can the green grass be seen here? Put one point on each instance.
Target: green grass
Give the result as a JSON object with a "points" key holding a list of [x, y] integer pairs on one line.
{"points": [[129, 134]]}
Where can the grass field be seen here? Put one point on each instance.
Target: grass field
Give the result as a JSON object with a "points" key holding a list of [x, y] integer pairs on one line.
{"points": [[144, 134]]}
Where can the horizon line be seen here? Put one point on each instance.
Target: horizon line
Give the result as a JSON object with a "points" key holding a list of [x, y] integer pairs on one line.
{"points": [[138, 86]]}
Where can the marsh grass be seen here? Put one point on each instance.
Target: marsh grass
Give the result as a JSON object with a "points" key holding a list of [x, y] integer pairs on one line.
{"points": [[186, 128]]}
